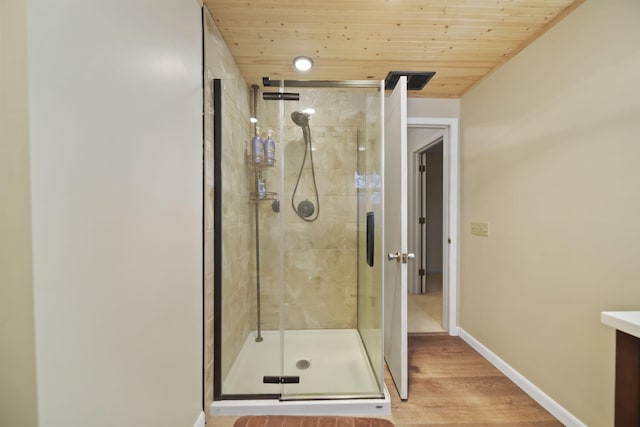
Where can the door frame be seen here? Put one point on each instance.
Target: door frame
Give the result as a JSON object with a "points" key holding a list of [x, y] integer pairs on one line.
{"points": [[450, 217]]}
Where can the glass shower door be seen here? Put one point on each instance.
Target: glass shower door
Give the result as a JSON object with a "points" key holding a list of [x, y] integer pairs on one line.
{"points": [[370, 256], [324, 137]]}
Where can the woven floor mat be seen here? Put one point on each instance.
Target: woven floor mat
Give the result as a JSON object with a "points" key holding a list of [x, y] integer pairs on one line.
{"points": [[305, 421]]}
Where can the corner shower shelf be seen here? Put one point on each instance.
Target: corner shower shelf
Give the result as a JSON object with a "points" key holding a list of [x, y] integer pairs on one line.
{"points": [[259, 165], [253, 196]]}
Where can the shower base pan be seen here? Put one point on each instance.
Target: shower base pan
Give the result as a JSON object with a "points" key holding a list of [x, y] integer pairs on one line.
{"points": [[335, 376]]}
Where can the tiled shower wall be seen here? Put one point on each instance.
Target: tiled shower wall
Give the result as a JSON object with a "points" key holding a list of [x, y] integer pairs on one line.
{"points": [[237, 225]]}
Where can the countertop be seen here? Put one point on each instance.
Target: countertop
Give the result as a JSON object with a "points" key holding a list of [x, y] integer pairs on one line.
{"points": [[625, 321]]}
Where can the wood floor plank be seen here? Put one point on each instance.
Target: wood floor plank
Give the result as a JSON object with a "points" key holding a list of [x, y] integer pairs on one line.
{"points": [[450, 384]]}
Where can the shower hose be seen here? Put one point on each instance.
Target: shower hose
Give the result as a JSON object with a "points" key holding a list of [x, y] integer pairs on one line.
{"points": [[307, 147]]}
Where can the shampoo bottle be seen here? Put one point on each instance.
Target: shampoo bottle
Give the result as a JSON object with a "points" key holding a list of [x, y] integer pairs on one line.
{"points": [[257, 147], [270, 149]]}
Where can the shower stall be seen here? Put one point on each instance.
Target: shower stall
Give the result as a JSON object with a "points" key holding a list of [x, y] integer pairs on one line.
{"points": [[298, 274]]}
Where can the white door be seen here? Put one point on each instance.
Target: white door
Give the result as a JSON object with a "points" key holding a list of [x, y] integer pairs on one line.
{"points": [[395, 236]]}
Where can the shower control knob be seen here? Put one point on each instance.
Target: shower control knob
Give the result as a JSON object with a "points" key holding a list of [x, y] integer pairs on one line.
{"points": [[395, 256]]}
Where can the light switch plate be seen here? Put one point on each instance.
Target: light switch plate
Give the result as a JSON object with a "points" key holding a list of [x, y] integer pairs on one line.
{"points": [[480, 229]]}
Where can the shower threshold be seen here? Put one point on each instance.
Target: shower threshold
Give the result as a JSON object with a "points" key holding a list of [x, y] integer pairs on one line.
{"points": [[345, 407], [335, 376]]}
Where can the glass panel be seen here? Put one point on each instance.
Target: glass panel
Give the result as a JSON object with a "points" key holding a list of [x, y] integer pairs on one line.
{"points": [[250, 272], [369, 187], [322, 135], [268, 196]]}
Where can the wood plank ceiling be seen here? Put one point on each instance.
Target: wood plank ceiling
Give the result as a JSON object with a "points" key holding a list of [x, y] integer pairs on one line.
{"points": [[461, 40]]}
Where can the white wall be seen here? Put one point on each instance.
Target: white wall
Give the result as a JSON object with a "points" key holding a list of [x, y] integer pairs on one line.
{"points": [[17, 341], [116, 173], [550, 159], [433, 107]]}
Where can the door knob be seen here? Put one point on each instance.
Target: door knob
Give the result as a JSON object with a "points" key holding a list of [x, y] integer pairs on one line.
{"points": [[395, 256], [407, 257]]}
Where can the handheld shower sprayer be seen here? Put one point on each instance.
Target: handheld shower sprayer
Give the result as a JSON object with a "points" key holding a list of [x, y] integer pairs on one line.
{"points": [[300, 118], [305, 209]]}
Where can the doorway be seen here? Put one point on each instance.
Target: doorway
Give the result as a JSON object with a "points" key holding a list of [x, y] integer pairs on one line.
{"points": [[425, 300], [434, 142]]}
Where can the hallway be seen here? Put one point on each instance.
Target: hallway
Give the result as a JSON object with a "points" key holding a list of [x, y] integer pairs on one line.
{"points": [[424, 311]]}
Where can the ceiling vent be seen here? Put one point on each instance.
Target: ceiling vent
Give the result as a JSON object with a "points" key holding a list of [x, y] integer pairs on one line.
{"points": [[416, 80]]}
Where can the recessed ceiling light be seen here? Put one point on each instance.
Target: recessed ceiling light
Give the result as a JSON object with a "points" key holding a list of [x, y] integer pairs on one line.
{"points": [[303, 63]]}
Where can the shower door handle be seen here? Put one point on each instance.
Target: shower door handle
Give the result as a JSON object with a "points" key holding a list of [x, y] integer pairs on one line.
{"points": [[396, 256]]}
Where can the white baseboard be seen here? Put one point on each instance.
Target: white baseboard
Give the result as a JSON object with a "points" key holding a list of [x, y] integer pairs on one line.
{"points": [[454, 331], [200, 420], [564, 416]]}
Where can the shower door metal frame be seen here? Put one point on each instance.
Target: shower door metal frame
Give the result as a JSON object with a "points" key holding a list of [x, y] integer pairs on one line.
{"points": [[355, 84], [217, 242]]}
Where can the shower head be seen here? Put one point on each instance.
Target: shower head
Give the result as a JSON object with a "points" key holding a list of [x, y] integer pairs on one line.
{"points": [[300, 118]]}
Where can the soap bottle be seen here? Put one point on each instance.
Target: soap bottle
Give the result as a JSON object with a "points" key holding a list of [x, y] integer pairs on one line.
{"points": [[270, 149], [257, 147], [262, 188]]}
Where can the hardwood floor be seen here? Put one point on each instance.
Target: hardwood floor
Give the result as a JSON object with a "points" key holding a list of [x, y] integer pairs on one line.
{"points": [[424, 311], [450, 384]]}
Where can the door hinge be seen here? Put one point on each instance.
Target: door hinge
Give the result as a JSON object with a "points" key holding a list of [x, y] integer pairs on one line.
{"points": [[422, 168], [421, 272], [422, 220]]}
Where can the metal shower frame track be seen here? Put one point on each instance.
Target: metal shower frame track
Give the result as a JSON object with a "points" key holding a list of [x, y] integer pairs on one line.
{"points": [[267, 82]]}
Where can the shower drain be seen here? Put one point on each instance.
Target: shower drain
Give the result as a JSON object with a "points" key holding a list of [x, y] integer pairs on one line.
{"points": [[303, 364]]}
